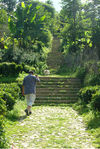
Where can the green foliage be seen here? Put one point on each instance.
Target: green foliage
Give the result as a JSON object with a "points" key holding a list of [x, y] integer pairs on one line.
{"points": [[96, 36], [41, 67], [94, 79], [3, 142], [93, 73], [91, 119], [30, 36], [27, 68], [85, 94], [9, 4], [10, 69], [9, 93], [10, 101], [3, 17], [95, 103], [49, 2], [71, 31], [2, 114], [2, 104], [29, 23], [81, 73]]}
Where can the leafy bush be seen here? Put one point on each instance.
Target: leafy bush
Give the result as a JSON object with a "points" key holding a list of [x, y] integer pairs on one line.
{"points": [[2, 133], [85, 94], [10, 101], [93, 73], [27, 68], [2, 113], [2, 105], [81, 73], [95, 103], [41, 67], [10, 69], [94, 79], [10, 93]]}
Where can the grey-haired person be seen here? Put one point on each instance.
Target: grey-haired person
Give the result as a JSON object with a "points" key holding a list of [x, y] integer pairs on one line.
{"points": [[29, 90]]}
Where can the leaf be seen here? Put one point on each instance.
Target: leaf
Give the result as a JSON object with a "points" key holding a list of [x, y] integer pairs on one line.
{"points": [[38, 7], [33, 18], [82, 39], [2, 39], [88, 40], [90, 45], [23, 5], [42, 18], [86, 33], [5, 47], [30, 5], [9, 19]]}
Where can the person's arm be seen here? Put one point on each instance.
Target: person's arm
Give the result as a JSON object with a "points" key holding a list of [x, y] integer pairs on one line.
{"points": [[37, 78], [23, 90]]}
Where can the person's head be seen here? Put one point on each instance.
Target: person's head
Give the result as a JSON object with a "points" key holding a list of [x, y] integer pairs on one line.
{"points": [[31, 72]]}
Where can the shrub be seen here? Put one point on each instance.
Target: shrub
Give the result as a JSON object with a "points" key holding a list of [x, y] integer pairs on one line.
{"points": [[94, 79], [9, 100], [2, 113], [2, 133], [2, 104], [85, 94], [41, 67], [27, 68], [10, 69], [10, 93], [11, 88], [95, 103], [81, 73], [93, 73]]}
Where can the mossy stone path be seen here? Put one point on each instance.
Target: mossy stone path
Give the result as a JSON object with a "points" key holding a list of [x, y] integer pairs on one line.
{"points": [[51, 127]]}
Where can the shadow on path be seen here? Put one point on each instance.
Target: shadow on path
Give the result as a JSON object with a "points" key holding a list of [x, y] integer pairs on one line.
{"points": [[21, 118]]}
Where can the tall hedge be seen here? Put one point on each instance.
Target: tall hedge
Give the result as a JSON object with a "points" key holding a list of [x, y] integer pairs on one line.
{"points": [[10, 68], [2, 114], [10, 93], [85, 94]]}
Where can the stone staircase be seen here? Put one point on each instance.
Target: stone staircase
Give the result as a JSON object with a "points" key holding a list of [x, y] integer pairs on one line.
{"points": [[55, 57], [57, 90]]}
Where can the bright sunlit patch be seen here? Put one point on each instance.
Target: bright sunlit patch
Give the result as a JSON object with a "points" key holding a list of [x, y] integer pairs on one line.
{"points": [[84, 1], [56, 4]]}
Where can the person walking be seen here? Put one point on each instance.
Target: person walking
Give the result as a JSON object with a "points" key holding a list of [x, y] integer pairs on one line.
{"points": [[29, 90]]}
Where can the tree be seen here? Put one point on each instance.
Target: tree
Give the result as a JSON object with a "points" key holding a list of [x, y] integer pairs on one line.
{"points": [[70, 16], [50, 2], [9, 4]]}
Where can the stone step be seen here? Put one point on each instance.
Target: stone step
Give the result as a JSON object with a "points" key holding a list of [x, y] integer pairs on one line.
{"points": [[56, 95], [56, 98], [57, 89], [56, 92], [55, 52], [54, 58], [58, 83], [54, 101], [51, 56], [58, 78], [58, 86]]}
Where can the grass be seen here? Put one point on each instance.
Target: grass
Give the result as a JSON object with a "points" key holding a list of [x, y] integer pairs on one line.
{"points": [[59, 75], [50, 126], [91, 120]]}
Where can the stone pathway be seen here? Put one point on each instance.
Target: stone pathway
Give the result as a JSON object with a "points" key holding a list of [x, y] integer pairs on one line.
{"points": [[51, 127]]}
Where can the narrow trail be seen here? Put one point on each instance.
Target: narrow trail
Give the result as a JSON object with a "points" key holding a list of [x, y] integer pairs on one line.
{"points": [[51, 127]]}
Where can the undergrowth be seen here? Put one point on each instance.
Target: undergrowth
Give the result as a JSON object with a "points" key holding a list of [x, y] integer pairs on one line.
{"points": [[91, 120]]}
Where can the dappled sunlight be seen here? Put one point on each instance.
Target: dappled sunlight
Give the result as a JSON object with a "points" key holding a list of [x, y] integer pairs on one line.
{"points": [[51, 127]]}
